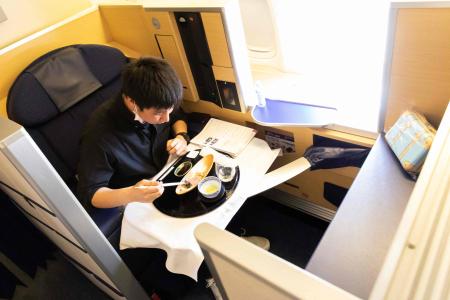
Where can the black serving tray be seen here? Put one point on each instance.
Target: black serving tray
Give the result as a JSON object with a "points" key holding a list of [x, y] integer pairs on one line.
{"points": [[192, 204]]}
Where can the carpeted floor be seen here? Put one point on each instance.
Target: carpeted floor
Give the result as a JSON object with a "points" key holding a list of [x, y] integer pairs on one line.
{"points": [[293, 236], [59, 280]]}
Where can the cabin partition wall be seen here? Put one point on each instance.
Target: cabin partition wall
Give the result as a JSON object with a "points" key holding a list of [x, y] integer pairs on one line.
{"points": [[39, 192]]}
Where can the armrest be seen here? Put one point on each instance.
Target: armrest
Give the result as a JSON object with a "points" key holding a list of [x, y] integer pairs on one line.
{"points": [[253, 273], [352, 250]]}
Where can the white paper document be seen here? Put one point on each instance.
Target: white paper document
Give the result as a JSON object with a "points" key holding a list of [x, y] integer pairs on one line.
{"points": [[224, 136]]}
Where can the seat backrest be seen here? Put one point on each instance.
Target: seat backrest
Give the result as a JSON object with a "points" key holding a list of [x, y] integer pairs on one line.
{"points": [[55, 95]]}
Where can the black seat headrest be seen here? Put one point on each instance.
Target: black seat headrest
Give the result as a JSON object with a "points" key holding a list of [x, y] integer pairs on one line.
{"points": [[59, 79]]}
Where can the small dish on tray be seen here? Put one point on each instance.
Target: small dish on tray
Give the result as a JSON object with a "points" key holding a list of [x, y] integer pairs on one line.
{"points": [[210, 187], [199, 171], [182, 169]]}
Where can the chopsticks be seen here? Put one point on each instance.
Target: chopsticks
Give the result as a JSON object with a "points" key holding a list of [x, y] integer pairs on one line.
{"points": [[164, 184], [166, 173], [170, 169], [173, 183]]}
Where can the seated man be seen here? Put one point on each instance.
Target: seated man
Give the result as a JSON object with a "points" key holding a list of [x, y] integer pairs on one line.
{"points": [[126, 141], [129, 138]]}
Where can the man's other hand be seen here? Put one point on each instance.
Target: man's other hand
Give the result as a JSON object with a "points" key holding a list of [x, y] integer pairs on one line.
{"points": [[177, 146], [146, 191]]}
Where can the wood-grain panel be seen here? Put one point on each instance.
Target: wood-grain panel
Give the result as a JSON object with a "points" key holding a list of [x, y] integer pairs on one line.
{"points": [[420, 71], [126, 25], [217, 42], [170, 52]]}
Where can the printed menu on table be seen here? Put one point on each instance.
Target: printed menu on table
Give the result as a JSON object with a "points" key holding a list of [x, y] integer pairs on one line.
{"points": [[224, 136]]}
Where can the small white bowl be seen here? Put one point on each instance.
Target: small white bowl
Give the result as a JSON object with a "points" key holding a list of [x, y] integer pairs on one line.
{"points": [[210, 187]]}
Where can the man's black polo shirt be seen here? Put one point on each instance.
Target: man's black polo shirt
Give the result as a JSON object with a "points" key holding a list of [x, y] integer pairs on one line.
{"points": [[117, 151]]}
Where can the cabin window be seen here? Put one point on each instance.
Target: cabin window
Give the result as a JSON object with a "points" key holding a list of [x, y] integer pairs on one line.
{"points": [[330, 53], [257, 18]]}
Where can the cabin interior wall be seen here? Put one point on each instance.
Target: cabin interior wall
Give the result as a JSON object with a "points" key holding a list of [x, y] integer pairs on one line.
{"points": [[309, 184], [105, 26], [420, 71], [151, 33], [138, 35], [87, 28], [26, 17]]}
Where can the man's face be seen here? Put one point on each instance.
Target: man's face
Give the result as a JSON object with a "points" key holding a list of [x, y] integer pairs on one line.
{"points": [[155, 115]]}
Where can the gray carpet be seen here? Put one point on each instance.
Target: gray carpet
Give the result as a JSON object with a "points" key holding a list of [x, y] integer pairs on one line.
{"points": [[60, 280], [293, 235]]}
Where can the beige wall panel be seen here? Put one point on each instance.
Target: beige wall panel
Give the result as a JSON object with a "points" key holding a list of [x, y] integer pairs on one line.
{"points": [[224, 73], [216, 111], [163, 23], [26, 17], [304, 138], [310, 183], [170, 52], [159, 22], [217, 42], [125, 50], [345, 137], [126, 25], [3, 108], [420, 73], [86, 29]]}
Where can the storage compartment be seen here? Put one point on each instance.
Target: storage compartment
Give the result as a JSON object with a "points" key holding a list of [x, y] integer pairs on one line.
{"points": [[168, 48], [228, 95], [193, 36]]}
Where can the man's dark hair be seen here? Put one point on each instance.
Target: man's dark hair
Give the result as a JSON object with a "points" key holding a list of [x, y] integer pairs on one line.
{"points": [[152, 83]]}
